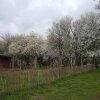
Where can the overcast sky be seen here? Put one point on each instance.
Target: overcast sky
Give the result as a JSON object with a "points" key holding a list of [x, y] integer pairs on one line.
{"points": [[24, 16]]}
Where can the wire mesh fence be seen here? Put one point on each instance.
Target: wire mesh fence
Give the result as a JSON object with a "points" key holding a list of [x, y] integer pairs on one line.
{"points": [[12, 80]]}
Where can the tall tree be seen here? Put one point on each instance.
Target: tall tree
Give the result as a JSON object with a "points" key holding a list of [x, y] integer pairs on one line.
{"points": [[59, 38], [86, 34]]}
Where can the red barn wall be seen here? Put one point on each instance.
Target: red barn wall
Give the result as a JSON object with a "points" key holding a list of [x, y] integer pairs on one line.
{"points": [[5, 62]]}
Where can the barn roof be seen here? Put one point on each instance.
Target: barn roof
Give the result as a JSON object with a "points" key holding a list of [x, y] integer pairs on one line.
{"points": [[5, 56]]}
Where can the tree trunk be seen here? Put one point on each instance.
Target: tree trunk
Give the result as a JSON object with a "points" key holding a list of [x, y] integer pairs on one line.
{"points": [[81, 61], [71, 61], [13, 62], [20, 64], [61, 64], [35, 62]]}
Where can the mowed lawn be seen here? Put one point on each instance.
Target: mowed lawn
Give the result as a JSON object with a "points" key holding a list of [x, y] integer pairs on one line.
{"points": [[85, 86]]}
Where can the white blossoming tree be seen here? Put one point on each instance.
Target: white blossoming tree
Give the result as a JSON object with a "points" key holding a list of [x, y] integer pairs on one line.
{"points": [[59, 39], [28, 46], [86, 35], [34, 48]]}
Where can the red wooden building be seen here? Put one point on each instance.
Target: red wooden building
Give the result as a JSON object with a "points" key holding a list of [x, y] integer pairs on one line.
{"points": [[5, 61]]}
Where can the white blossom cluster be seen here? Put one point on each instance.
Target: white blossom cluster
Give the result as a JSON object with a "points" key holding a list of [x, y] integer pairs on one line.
{"points": [[26, 46]]}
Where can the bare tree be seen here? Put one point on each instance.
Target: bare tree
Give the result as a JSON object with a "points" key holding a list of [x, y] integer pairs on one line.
{"points": [[98, 5], [6, 40]]}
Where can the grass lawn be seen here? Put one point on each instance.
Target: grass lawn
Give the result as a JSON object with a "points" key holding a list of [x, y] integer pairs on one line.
{"points": [[85, 86]]}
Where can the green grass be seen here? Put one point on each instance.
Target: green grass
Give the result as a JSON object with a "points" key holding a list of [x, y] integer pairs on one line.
{"points": [[85, 86]]}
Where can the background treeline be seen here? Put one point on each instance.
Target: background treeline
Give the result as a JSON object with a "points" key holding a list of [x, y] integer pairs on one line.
{"points": [[69, 42]]}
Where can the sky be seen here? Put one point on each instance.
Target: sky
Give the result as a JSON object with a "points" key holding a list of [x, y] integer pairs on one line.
{"points": [[25, 16]]}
